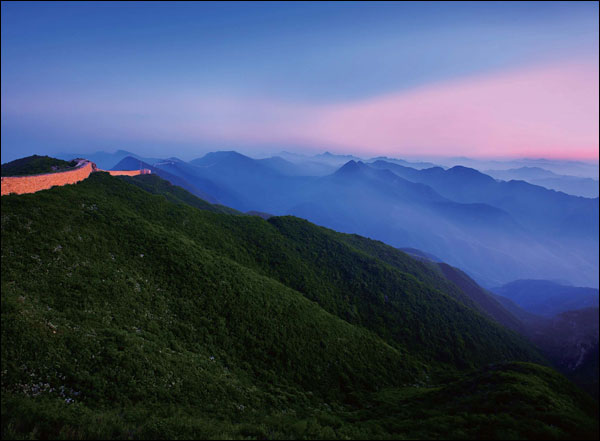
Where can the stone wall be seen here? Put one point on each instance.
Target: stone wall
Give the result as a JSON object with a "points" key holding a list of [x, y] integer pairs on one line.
{"points": [[143, 171], [33, 183]]}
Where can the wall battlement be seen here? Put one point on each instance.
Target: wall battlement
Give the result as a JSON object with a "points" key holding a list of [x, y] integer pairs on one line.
{"points": [[35, 183], [143, 171]]}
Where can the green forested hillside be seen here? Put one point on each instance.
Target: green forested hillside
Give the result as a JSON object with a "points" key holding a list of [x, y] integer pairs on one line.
{"points": [[404, 307], [35, 164], [128, 314]]}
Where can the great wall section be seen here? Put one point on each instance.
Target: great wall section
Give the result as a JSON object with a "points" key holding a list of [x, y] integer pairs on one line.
{"points": [[34, 183]]}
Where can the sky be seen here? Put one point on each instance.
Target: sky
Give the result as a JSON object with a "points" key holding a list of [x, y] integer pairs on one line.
{"points": [[483, 80]]}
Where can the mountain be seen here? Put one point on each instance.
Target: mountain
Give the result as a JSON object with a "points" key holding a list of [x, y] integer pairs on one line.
{"points": [[420, 255], [203, 181], [309, 165], [486, 300], [105, 160], [523, 316], [282, 166], [298, 167], [521, 173], [565, 227], [573, 185], [250, 184], [33, 165], [532, 205], [547, 298], [128, 313], [335, 160], [443, 277], [570, 340], [156, 184], [484, 240], [460, 215], [584, 169], [131, 163], [415, 165]]}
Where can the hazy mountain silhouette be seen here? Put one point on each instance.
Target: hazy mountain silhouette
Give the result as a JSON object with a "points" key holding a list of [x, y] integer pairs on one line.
{"points": [[566, 225], [574, 185], [495, 231], [309, 165], [547, 298], [419, 165], [483, 239], [584, 169], [282, 166], [131, 163], [197, 176], [335, 159], [252, 184], [105, 160]]}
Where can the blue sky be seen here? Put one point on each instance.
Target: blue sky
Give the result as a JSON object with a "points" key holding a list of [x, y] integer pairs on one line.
{"points": [[305, 55]]}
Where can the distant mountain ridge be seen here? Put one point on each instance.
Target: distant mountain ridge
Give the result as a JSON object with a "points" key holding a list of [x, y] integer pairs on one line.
{"points": [[103, 159], [419, 165], [569, 222], [496, 232], [131, 163], [584, 169], [546, 298], [574, 185]]}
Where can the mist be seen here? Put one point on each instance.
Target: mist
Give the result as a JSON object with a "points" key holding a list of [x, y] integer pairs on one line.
{"points": [[496, 231]]}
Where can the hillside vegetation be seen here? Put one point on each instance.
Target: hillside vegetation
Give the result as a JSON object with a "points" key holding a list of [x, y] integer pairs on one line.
{"points": [[34, 165], [139, 311]]}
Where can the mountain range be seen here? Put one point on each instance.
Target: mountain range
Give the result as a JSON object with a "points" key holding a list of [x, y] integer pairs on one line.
{"points": [[496, 231], [574, 185], [132, 308], [547, 298]]}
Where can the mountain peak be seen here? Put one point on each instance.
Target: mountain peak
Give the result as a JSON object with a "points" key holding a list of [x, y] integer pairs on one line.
{"points": [[351, 167], [225, 154], [467, 172], [231, 156], [131, 163], [464, 170]]}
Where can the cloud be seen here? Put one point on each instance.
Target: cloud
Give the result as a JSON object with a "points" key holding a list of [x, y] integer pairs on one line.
{"points": [[549, 111]]}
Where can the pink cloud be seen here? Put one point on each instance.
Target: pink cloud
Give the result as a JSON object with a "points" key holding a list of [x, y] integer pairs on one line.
{"points": [[549, 111]]}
